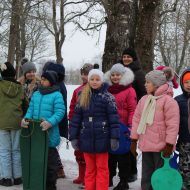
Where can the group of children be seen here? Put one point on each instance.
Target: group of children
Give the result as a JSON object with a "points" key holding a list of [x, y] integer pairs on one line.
{"points": [[98, 108]]}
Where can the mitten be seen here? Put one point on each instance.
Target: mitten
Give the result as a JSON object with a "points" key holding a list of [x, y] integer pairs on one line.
{"points": [[45, 125], [168, 149], [74, 144], [133, 147], [24, 123], [114, 144]]}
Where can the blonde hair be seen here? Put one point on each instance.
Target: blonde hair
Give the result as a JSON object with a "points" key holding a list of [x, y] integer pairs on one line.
{"points": [[85, 96]]}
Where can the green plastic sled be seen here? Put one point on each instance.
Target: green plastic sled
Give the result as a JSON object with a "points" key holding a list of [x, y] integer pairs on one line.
{"points": [[34, 155], [166, 178]]}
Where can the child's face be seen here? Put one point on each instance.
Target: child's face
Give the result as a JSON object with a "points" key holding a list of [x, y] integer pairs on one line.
{"points": [[150, 88], [115, 78], [84, 77], [127, 59], [186, 85], [95, 82], [44, 82], [30, 75]]}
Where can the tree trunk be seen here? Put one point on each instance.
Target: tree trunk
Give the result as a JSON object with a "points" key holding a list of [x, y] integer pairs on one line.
{"points": [[146, 32], [14, 29], [120, 30]]}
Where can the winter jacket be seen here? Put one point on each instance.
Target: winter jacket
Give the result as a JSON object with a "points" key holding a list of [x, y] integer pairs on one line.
{"points": [[182, 100], [11, 99], [139, 81], [63, 125], [165, 126], [125, 96], [74, 100], [49, 107], [95, 126]]}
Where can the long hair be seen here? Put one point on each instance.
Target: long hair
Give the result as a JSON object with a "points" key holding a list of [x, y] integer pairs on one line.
{"points": [[85, 96]]}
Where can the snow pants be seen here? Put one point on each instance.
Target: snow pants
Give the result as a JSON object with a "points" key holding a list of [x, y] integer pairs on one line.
{"points": [[97, 172]]}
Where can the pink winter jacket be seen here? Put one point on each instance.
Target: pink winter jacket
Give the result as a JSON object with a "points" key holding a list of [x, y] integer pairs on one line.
{"points": [[166, 122]]}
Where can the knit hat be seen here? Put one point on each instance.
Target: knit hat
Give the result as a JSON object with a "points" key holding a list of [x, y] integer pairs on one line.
{"points": [[170, 73], [27, 67], [7, 70], [58, 68], [131, 52], [86, 68], [96, 72], [158, 78], [51, 76], [186, 77], [118, 68]]}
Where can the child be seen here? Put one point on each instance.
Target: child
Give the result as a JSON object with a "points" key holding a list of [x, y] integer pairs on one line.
{"points": [[94, 126], [155, 124], [184, 129], [120, 79], [47, 104], [78, 154], [11, 99]]}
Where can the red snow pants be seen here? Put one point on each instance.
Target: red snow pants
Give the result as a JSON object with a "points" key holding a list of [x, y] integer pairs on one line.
{"points": [[97, 172]]}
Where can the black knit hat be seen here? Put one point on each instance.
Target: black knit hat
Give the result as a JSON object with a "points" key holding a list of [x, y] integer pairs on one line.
{"points": [[9, 71], [131, 52], [51, 76]]}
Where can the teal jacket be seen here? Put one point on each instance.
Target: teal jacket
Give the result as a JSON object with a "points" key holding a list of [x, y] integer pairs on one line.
{"points": [[49, 107]]}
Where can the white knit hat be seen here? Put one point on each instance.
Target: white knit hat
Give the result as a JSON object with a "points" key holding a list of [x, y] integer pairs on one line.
{"points": [[96, 72]]}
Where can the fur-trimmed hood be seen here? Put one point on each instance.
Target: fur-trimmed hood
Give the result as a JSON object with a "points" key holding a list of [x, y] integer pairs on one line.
{"points": [[127, 78]]}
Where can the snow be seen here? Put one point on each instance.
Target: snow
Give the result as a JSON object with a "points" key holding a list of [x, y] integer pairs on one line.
{"points": [[70, 166]]}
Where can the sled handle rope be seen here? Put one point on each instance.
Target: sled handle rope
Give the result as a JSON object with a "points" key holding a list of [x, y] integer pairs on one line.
{"points": [[32, 131]]}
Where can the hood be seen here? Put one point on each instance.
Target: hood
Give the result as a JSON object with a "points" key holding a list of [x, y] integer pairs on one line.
{"points": [[127, 78], [164, 89], [181, 77], [10, 89]]}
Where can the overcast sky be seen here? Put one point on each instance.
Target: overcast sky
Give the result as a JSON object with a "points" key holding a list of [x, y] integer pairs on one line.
{"points": [[80, 48]]}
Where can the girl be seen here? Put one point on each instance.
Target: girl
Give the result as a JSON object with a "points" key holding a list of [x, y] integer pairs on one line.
{"points": [[155, 124], [94, 126], [47, 104], [184, 129], [120, 80]]}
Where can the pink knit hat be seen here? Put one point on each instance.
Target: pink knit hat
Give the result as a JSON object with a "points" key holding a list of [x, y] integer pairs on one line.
{"points": [[173, 78]]}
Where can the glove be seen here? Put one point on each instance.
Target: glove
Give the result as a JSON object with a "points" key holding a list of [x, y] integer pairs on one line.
{"points": [[24, 123], [74, 144], [45, 125], [167, 151], [114, 144], [133, 147]]}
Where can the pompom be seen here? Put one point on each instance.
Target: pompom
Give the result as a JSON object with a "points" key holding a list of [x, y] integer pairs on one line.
{"points": [[169, 72]]}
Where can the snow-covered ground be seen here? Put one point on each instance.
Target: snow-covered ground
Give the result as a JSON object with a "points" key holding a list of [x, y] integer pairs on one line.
{"points": [[70, 165]]}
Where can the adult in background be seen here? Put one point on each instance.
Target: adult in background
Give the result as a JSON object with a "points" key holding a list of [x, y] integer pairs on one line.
{"points": [[29, 80], [130, 60], [63, 124]]}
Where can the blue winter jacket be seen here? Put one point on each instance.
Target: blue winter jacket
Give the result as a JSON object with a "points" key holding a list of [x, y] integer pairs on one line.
{"points": [[49, 107], [182, 100], [95, 126]]}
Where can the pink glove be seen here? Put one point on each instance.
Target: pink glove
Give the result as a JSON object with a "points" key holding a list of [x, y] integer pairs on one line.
{"points": [[45, 125], [24, 123]]}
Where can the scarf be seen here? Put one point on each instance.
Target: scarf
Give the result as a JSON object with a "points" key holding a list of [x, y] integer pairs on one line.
{"points": [[47, 90], [147, 116], [117, 88]]}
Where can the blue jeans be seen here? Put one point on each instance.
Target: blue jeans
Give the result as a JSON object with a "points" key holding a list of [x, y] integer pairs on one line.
{"points": [[10, 160]]}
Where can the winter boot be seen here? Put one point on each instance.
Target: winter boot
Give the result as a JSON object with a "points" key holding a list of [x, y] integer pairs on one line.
{"points": [[132, 178], [122, 185], [6, 182], [60, 173], [80, 178], [18, 181]]}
